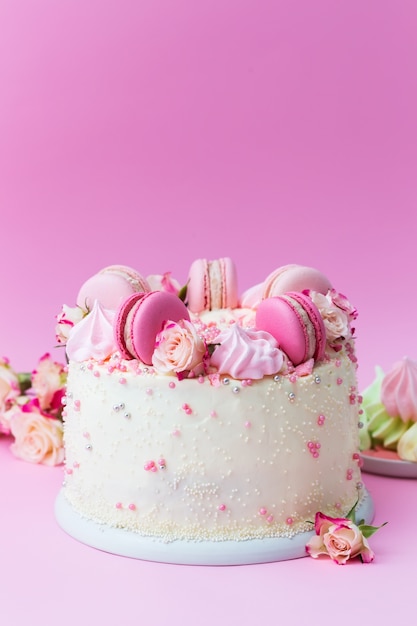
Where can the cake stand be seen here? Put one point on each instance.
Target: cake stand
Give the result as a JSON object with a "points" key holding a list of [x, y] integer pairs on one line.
{"points": [[130, 544]]}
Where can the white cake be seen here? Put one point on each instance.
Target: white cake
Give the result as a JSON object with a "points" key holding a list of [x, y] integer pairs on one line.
{"points": [[211, 460]]}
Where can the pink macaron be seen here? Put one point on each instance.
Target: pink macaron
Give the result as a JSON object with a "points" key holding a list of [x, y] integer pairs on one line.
{"points": [[111, 286], [295, 278], [212, 285], [141, 317], [295, 322]]}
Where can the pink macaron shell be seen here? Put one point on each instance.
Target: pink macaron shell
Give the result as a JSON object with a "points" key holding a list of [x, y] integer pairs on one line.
{"points": [[111, 286], [121, 323], [229, 294], [277, 317], [295, 278], [143, 319], [252, 297], [212, 285], [138, 282], [198, 287], [295, 322], [318, 351]]}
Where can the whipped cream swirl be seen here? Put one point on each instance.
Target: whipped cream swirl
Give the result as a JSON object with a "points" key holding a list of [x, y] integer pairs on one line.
{"points": [[246, 353], [93, 336]]}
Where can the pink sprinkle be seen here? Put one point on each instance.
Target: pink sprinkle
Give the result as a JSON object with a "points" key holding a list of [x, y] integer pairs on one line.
{"points": [[122, 380], [339, 381], [289, 520], [150, 465], [248, 424], [76, 464], [96, 373], [172, 385], [270, 519], [355, 456], [222, 507], [293, 378], [149, 391], [201, 379], [119, 505], [68, 470], [187, 409], [320, 420], [213, 414], [338, 363], [132, 506], [86, 434], [262, 511], [89, 366], [162, 463], [175, 433], [110, 369], [77, 404], [337, 505]]}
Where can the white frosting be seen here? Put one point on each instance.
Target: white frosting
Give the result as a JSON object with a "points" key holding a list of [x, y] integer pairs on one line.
{"points": [[93, 336], [202, 459]]}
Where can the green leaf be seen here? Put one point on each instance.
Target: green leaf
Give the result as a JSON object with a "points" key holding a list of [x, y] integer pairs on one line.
{"points": [[351, 514], [182, 294], [368, 531], [25, 381]]}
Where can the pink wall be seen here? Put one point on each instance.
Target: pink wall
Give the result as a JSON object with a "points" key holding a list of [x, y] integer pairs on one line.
{"points": [[152, 133]]}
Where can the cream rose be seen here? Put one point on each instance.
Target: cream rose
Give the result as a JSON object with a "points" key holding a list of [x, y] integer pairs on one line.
{"points": [[9, 391], [340, 539], [335, 320], [179, 349], [66, 320], [48, 381], [38, 439]]}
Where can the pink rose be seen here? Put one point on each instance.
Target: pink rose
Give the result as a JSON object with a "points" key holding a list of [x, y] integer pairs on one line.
{"points": [[343, 303], [179, 349], [340, 539], [48, 383], [38, 439], [163, 282], [9, 391], [336, 321], [66, 320]]}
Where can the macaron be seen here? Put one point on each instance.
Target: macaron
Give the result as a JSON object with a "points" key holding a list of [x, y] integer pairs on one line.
{"points": [[295, 278], [111, 286], [295, 322], [212, 285], [141, 317]]}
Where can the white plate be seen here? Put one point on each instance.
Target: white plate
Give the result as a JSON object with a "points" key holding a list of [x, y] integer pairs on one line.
{"points": [[388, 467], [130, 544]]}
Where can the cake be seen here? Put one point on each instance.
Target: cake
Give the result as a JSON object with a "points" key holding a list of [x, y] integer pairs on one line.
{"points": [[390, 413], [204, 427]]}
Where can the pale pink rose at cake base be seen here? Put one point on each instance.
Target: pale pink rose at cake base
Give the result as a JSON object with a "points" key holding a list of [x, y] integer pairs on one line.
{"points": [[66, 320], [179, 349], [340, 539], [48, 381], [38, 439]]}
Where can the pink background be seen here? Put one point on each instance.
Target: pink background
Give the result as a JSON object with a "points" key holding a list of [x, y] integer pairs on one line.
{"points": [[154, 132]]}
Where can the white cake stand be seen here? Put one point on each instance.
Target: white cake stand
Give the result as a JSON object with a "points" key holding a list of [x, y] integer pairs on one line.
{"points": [[130, 544]]}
